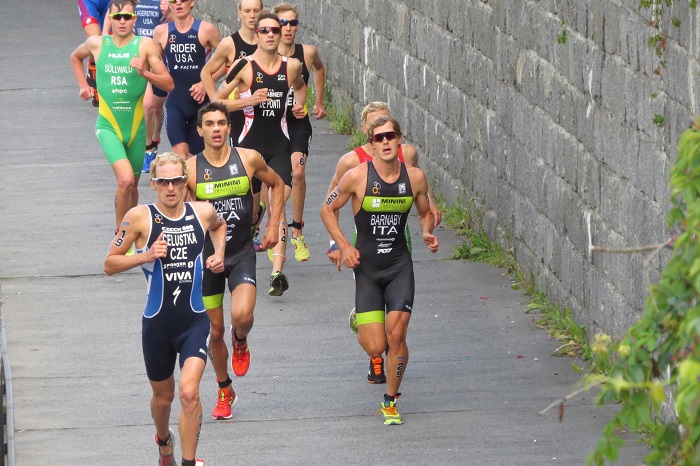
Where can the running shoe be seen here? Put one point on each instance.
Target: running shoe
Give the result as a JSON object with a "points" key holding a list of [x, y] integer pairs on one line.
{"points": [[147, 159], [376, 371], [301, 252], [257, 245], [240, 361], [167, 460], [391, 414], [225, 401], [352, 318], [270, 253], [278, 284]]}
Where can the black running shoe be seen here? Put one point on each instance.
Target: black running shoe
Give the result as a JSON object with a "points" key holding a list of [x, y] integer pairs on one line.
{"points": [[278, 284], [376, 371]]}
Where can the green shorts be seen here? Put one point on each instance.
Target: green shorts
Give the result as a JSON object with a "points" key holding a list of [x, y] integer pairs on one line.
{"points": [[115, 148]]}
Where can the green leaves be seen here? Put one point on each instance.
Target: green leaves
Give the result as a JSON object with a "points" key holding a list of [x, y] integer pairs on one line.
{"points": [[661, 352]]}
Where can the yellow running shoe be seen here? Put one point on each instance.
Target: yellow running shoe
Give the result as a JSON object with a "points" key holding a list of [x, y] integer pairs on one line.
{"points": [[391, 414], [301, 252]]}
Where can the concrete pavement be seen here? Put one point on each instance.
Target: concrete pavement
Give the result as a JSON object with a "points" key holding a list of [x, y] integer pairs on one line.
{"points": [[80, 391]]}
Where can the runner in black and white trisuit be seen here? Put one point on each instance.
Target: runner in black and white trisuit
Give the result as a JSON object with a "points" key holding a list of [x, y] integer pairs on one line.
{"points": [[382, 193], [169, 239], [186, 42], [300, 130], [268, 78], [223, 176], [240, 44]]}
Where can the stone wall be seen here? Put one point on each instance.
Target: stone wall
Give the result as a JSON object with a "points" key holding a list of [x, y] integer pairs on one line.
{"points": [[556, 141]]}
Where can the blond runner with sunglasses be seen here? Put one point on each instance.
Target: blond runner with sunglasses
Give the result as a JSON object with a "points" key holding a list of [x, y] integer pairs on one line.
{"points": [[364, 153], [382, 192], [169, 238], [125, 63]]}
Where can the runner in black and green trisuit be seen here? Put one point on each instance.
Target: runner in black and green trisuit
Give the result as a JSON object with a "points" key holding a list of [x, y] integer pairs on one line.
{"points": [[125, 63], [223, 176], [382, 192]]}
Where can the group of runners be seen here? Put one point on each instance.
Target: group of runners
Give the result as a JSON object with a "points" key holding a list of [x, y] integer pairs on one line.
{"points": [[239, 152]]}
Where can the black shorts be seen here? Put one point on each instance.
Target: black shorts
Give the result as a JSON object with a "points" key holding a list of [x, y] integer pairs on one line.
{"points": [[391, 289], [181, 126], [158, 92], [300, 133], [282, 165], [239, 268], [160, 350]]}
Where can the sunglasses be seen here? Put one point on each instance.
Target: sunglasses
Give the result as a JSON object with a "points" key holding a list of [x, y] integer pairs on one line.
{"points": [[291, 22], [175, 180], [122, 16], [379, 137], [269, 29], [175, 1]]}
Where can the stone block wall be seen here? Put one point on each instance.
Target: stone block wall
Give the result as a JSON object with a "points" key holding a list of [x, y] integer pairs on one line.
{"points": [[556, 141]]}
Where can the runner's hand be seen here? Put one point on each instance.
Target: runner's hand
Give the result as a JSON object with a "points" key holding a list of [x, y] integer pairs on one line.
{"points": [[260, 96], [431, 241], [319, 111], [85, 92], [350, 257], [298, 111], [137, 64], [270, 238], [158, 249], [198, 92], [215, 263]]}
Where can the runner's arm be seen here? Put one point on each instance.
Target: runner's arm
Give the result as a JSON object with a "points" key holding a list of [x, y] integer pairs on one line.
{"points": [[155, 70], [319, 80], [340, 195], [217, 62], [132, 228], [419, 185], [410, 155], [77, 58], [233, 82], [217, 231], [299, 88]]}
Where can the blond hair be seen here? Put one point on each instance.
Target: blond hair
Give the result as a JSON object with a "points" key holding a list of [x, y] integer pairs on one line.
{"points": [[373, 107], [165, 158]]}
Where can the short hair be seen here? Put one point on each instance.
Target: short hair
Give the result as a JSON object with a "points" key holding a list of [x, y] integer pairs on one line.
{"points": [[166, 158], [120, 4], [265, 15], [381, 120], [240, 4], [213, 107], [374, 107], [284, 7]]}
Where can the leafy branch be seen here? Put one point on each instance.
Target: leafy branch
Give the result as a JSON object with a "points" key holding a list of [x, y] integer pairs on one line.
{"points": [[658, 360]]}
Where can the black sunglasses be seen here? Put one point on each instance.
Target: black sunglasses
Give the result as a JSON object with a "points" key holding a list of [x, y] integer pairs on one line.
{"points": [[175, 180], [264, 30], [379, 137], [291, 22]]}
